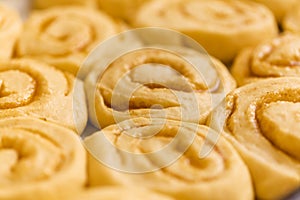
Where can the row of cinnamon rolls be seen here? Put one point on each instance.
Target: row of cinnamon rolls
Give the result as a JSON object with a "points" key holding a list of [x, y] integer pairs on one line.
{"points": [[151, 104]]}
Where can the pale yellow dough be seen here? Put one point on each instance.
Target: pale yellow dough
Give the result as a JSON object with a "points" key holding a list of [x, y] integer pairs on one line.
{"points": [[221, 173], [157, 83], [222, 27], [63, 36], [10, 29], [39, 160], [262, 122], [117, 193], [291, 21], [42, 4], [278, 57], [31, 88]]}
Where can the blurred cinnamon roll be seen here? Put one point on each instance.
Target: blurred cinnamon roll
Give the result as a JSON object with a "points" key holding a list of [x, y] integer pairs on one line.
{"points": [[275, 58], [262, 121], [42, 4], [222, 27], [125, 9], [291, 21], [278, 7], [39, 160], [116, 193], [10, 30], [65, 35]]}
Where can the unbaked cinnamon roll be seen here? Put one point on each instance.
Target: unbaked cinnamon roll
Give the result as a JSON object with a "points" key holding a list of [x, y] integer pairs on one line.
{"points": [[42, 4], [275, 58], [262, 122], [31, 88], [221, 27], [278, 7], [158, 83], [117, 193], [39, 160], [65, 35], [125, 9], [163, 155], [291, 21], [10, 29]]}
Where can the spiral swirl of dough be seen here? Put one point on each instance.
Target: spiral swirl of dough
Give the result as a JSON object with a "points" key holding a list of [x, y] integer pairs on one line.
{"points": [[65, 35], [279, 57], [187, 177], [39, 160], [156, 83], [221, 27], [10, 29], [30, 88], [262, 122]]}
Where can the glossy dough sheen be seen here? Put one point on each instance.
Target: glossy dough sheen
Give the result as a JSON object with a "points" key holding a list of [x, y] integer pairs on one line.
{"points": [[262, 122], [10, 29], [278, 57], [221, 173], [39, 160], [138, 81], [41, 91], [221, 27], [65, 35]]}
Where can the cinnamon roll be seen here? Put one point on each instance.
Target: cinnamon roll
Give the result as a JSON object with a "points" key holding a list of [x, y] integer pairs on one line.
{"points": [[291, 21], [10, 29], [42, 4], [275, 58], [163, 155], [278, 7], [125, 9], [39, 160], [116, 193], [158, 83], [221, 27], [30, 88], [262, 122], [65, 35]]}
